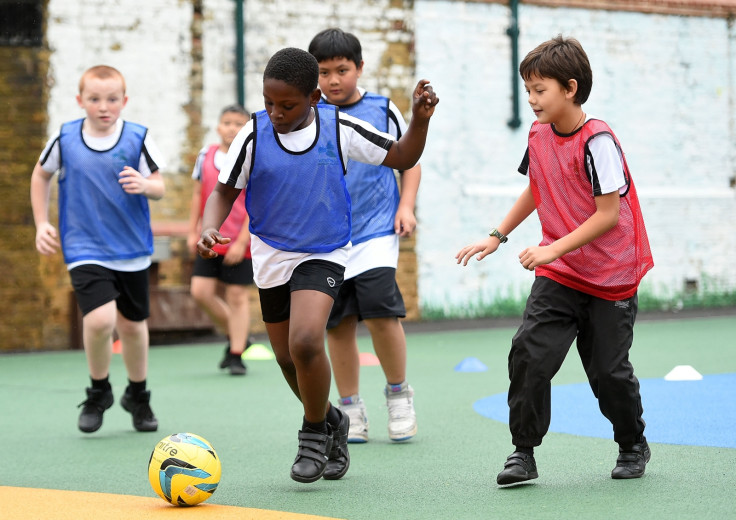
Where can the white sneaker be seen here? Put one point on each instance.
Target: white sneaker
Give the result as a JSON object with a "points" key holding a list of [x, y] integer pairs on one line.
{"points": [[354, 407], [402, 420]]}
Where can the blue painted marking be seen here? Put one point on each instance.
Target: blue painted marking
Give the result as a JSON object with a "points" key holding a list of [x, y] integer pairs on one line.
{"points": [[695, 413]]}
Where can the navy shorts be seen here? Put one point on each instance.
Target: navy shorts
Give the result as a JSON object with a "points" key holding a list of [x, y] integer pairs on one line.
{"points": [[238, 274], [94, 286], [314, 275], [372, 294]]}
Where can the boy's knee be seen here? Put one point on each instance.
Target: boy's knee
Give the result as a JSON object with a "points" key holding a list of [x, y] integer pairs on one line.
{"points": [[306, 345]]}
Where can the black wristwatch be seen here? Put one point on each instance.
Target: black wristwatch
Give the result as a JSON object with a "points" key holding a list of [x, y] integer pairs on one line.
{"points": [[496, 233]]}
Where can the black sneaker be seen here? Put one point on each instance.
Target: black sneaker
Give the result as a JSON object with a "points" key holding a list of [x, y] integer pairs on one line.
{"points": [[519, 467], [339, 458], [140, 408], [97, 402], [233, 362], [311, 459], [226, 360], [632, 463]]}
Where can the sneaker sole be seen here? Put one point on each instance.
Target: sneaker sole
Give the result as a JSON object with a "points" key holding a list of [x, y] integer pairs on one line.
{"points": [[404, 436], [514, 480], [306, 480], [357, 440]]}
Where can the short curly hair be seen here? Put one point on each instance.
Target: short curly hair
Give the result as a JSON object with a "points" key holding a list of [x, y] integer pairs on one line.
{"points": [[294, 67]]}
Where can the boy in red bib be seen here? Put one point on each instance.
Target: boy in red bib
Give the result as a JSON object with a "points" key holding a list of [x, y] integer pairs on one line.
{"points": [[593, 254], [233, 267]]}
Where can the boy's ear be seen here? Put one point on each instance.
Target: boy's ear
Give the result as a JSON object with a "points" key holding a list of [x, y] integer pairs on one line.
{"points": [[79, 101], [360, 68], [315, 97], [572, 89]]}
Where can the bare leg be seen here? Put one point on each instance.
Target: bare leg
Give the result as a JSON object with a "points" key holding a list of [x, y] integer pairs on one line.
{"points": [[238, 324], [134, 339], [278, 335], [97, 328], [309, 312], [344, 355], [389, 342], [204, 291]]}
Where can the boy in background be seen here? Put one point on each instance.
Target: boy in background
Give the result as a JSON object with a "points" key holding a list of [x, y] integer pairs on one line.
{"points": [[593, 254], [108, 169], [380, 216], [233, 265], [290, 159]]}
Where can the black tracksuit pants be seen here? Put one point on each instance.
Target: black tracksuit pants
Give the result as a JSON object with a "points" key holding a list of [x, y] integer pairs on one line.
{"points": [[555, 315]]}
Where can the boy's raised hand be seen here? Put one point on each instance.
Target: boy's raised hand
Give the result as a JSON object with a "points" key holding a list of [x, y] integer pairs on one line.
{"points": [[424, 100], [207, 241]]}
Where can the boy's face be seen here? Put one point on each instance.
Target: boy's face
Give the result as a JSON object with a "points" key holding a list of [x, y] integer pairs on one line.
{"points": [[338, 80], [102, 100], [550, 101], [229, 126], [288, 108]]}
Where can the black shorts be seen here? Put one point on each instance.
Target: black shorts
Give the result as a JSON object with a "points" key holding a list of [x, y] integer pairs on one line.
{"points": [[94, 286], [315, 275], [238, 274], [372, 294]]}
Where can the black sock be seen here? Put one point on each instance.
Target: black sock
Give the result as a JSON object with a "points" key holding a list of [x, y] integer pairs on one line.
{"points": [[101, 384], [320, 427], [525, 450], [333, 417], [135, 389]]}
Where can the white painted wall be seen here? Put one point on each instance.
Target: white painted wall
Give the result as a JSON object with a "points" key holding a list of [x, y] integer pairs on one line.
{"points": [[149, 41], [665, 85]]}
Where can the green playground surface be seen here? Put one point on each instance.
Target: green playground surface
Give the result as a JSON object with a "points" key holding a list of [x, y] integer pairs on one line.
{"points": [[447, 471]]}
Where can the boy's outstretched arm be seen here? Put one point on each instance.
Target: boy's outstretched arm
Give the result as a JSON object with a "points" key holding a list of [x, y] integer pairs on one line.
{"points": [[522, 208], [406, 152], [216, 210], [47, 240]]}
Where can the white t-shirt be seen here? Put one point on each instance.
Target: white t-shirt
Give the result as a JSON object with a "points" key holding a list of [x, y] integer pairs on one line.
{"points": [[273, 267], [608, 164], [51, 163]]}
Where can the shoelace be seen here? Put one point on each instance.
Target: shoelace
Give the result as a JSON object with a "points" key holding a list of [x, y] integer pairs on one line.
{"points": [[400, 407]]}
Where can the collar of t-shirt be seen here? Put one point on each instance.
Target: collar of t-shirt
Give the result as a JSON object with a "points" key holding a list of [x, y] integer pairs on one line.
{"points": [[105, 142]]}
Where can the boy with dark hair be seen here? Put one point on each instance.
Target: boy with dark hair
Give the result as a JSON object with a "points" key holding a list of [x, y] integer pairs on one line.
{"points": [[593, 254], [233, 267], [290, 159], [379, 217], [108, 169]]}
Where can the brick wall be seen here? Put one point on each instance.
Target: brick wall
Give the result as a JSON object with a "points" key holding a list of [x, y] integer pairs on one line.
{"points": [[28, 303], [179, 62]]}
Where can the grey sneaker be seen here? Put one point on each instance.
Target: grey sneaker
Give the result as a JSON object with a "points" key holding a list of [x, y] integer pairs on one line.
{"points": [[354, 408], [402, 420]]}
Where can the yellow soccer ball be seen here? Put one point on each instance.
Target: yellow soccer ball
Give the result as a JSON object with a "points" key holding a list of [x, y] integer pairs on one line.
{"points": [[184, 469]]}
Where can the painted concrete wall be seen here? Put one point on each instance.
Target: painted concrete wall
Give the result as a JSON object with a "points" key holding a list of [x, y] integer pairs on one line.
{"points": [[665, 85], [149, 41]]}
